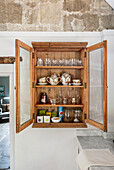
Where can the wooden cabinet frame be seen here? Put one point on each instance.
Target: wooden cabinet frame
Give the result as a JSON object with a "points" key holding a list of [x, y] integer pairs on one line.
{"points": [[60, 47]]}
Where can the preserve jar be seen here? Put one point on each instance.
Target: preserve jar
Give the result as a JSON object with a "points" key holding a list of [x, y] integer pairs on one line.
{"points": [[67, 115]]}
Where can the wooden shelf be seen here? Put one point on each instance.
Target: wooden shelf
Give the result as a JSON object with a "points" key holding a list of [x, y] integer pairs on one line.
{"points": [[38, 86], [58, 105], [60, 67], [59, 125]]}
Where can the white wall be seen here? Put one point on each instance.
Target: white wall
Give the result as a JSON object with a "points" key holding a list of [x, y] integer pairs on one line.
{"points": [[111, 3], [45, 149]]}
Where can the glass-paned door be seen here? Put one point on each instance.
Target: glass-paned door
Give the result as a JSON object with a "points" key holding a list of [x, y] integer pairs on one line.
{"points": [[24, 94], [96, 95]]}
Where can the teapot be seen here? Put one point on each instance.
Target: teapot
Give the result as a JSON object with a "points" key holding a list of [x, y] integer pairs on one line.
{"points": [[54, 79], [65, 78]]}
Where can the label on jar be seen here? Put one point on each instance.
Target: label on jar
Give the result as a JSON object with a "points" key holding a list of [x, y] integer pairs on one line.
{"points": [[43, 100]]}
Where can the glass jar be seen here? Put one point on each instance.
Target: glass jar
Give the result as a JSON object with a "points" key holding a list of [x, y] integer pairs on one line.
{"points": [[43, 98], [67, 115], [39, 62], [64, 100], [47, 62], [77, 115], [73, 100]]}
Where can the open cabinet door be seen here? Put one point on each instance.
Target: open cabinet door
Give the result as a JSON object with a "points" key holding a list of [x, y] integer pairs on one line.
{"points": [[24, 78], [96, 91]]}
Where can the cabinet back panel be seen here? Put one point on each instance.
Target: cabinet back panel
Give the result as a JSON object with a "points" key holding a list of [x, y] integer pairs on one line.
{"points": [[53, 92]]}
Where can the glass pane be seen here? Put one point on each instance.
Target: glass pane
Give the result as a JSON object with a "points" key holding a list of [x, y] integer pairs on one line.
{"points": [[96, 85], [24, 86]]}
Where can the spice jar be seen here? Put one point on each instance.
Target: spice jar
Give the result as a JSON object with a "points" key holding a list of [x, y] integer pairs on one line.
{"points": [[43, 99], [73, 100]]}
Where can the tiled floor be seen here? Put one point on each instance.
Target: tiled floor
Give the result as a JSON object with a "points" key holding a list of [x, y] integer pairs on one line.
{"points": [[4, 146]]}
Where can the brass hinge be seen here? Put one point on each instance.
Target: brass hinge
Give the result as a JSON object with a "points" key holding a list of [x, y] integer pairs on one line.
{"points": [[104, 128], [33, 55], [33, 115], [85, 55], [85, 116], [85, 85], [104, 43], [33, 84]]}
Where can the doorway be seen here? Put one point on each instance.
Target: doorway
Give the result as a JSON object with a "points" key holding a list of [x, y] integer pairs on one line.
{"points": [[7, 70], [4, 122]]}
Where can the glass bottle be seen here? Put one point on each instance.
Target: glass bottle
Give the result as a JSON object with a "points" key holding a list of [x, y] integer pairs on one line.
{"points": [[69, 97], [60, 98], [77, 97]]}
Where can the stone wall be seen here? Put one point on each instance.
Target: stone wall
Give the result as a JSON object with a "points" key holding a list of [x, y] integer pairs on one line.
{"points": [[55, 15]]}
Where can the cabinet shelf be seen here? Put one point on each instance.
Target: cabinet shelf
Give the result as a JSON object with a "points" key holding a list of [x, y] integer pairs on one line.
{"points": [[58, 105], [60, 67], [59, 125], [38, 86]]}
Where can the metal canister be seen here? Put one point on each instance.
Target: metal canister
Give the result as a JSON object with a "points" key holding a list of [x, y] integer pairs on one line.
{"points": [[61, 113]]}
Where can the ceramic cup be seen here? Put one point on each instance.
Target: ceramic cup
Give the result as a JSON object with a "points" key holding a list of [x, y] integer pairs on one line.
{"points": [[76, 80], [42, 80]]}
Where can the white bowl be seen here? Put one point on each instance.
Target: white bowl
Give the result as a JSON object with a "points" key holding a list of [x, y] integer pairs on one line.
{"points": [[55, 119]]}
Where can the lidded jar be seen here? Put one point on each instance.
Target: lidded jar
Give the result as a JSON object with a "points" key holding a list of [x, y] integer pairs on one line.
{"points": [[77, 114], [67, 115]]}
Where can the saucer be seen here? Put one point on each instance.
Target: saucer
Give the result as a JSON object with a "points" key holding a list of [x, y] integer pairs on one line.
{"points": [[42, 84], [76, 84]]}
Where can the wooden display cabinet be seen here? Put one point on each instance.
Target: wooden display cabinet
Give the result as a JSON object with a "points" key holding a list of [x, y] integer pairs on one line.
{"points": [[93, 99]]}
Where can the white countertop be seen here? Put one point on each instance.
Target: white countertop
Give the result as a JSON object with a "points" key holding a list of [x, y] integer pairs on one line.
{"points": [[96, 142]]}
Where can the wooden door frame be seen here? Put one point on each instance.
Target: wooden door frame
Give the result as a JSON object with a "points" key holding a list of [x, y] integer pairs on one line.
{"points": [[92, 122], [19, 44]]}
